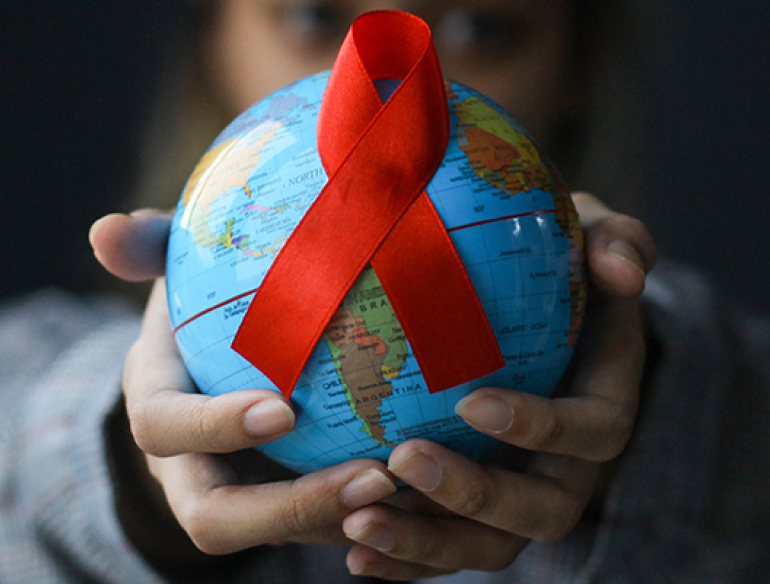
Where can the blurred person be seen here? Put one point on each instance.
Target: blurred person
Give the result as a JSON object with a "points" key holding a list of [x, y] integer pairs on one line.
{"points": [[227, 56], [683, 503]]}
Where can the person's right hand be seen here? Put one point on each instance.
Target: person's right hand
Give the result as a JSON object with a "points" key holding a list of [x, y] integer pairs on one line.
{"points": [[179, 429]]}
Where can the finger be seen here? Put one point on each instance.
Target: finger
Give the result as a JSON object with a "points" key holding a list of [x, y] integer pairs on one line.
{"points": [[596, 420], [620, 250], [543, 505], [424, 545], [221, 518], [366, 561], [502, 511], [132, 247], [168, 418], [412, 501]]}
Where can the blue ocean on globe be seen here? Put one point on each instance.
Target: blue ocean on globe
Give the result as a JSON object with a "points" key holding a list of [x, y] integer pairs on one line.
{"points": [[361, 394]]}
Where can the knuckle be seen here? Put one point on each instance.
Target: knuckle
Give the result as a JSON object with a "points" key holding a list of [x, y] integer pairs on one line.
{"points": [[427, 552], [195, 519], [620, 428], [142, 412], [475, 500], [545, 433], [301, 514], [210, 429], [143, 429], [568, 513], [300, 518]]}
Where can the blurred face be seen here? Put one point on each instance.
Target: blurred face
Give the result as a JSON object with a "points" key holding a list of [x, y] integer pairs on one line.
{"points": [[515, 51]]}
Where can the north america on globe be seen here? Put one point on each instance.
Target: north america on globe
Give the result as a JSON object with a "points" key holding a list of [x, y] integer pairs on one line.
{"points": [[507, 212]]}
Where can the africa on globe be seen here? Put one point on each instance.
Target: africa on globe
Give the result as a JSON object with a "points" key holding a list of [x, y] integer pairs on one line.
{"points": [[361, 393]]}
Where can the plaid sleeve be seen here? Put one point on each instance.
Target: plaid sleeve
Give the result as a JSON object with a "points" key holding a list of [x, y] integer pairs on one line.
{"points": [[57, 522], [61, 364]]}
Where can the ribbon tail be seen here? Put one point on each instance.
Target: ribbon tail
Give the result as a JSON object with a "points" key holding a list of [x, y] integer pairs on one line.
{"points": [[435, 301], [379, 158]]}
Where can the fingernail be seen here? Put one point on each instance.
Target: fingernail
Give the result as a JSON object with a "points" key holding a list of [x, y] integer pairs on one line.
{"points": [[485, 413], [369, 533], [367, 487], [269, 417], [418, 469], [623, 250]]}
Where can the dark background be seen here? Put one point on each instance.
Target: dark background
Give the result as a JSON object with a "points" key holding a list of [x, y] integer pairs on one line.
{"points": [[75, 76], [75, 82], [705, 136]]}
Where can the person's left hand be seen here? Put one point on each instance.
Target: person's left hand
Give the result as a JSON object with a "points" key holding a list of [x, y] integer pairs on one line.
{"points": [[468, 515]]}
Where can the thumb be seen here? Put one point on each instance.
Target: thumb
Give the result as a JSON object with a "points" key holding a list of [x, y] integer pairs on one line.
{"points": [[132, 247]]}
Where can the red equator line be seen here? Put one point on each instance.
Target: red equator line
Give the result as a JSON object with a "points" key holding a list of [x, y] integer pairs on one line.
{"points": [[467, 226], [220, 305]]}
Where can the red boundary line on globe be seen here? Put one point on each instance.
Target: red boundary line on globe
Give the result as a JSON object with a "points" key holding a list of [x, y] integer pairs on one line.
{"points": [[220, 305], [478, 223], [531, 213]]}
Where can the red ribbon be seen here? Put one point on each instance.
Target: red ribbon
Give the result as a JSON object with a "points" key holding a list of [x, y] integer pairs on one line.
{"points": [[374, 209]]}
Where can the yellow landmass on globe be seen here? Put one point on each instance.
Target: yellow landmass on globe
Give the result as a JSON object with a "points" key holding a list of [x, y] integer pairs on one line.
{"points": [[497, 153], [476, 113], [508, 160], [226, 166]]}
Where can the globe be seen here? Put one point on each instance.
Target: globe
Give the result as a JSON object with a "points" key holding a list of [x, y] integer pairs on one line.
{"points": [[361, 393]]}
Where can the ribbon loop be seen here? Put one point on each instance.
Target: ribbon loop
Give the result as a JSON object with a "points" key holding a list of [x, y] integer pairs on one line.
{"points": [[379, 158]]}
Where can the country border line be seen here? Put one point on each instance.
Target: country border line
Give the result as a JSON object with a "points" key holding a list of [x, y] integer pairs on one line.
{"points": [[467, 226]]}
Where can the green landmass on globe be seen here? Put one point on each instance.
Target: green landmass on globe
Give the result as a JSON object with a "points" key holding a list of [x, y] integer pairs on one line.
{"points": [[506, 210]]}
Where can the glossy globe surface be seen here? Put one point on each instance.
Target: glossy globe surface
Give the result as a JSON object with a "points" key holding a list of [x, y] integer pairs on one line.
{"points": [[506, 210]]}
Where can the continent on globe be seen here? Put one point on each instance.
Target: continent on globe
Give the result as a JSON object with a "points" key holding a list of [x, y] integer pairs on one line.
{"points": [[369, 348], [229, 165], [509, 160], [506, 211]]}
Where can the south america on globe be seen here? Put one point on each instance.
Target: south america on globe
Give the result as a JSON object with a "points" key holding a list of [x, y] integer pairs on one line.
{"points": [[506, 211]]}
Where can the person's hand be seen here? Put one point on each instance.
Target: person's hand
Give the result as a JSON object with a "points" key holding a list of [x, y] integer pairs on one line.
{"points": [[467, 515], [179, 429], [504, 507], [132, 247]]}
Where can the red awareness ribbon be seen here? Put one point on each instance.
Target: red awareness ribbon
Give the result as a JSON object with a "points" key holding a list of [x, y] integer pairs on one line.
{"points": [[374, 209]]}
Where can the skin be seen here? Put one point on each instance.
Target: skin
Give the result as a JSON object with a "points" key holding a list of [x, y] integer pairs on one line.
{"points": [[424, 530], [256, 47], [416, 533]]}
